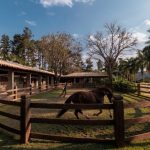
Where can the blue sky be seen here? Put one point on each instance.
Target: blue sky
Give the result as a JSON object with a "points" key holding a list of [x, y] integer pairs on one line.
{"points": [[78, 17]]}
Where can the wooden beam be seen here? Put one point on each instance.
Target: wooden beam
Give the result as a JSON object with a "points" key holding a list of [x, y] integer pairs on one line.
{"points": [[71, 106], [70, 139], [11, 83], [13, 103], [10, 129], [12, 116], [72, 122]]}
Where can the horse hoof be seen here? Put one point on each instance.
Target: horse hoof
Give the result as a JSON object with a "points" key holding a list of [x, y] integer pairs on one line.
{"points": [[87, 117], [111, 116], [95, 114]]}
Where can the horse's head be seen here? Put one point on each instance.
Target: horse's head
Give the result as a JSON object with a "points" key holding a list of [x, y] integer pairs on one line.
{"points": [[106, 91]]}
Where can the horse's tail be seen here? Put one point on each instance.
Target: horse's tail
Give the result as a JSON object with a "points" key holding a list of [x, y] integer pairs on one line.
{"points": [[68, 101]]}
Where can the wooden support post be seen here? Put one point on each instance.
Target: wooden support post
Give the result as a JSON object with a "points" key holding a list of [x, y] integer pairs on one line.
{"points": [[47, 82], [30, 89], [11, 81], [52, 81], [119, 120], [138, 89], [15, 93], [25, 125], [40, 83]]}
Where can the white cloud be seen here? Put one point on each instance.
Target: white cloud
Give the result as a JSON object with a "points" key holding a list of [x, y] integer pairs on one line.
{"points": [[31, 23], [48, 3], [85, 1], [141, 37], [147, 22]]}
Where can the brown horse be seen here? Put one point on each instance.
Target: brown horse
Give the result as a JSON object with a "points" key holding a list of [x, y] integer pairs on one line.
{"points": [[91, 97]]}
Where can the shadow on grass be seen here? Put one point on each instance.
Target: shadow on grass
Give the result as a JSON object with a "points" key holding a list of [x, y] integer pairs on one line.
{"points": [[140, 96], [8, 142], [6, 139], [138, 128]]}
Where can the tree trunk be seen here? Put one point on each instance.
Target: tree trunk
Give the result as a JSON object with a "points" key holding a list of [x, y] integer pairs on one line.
{"points": [[109, 71]]}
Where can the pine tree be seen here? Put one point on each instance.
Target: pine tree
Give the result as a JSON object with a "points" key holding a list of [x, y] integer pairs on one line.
{"points": [[5, 47]]}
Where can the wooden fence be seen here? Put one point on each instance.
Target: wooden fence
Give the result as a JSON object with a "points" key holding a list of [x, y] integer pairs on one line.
{"points": [[15, 94], [118, 121], [143, 88], [137, 120]]}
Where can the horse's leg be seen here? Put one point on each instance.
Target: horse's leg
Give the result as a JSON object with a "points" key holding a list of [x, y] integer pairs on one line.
{"points": [[76, 113], [80, 111], [110, 113], [97, 114], [86, 116]]}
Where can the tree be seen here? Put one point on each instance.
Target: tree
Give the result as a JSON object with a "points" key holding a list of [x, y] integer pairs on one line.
{"points": [[99, 65], [5, 47], [148, 42], [110, 45], [39, 55], [18, 52], [75, 62], [141, 62], [146, 53], [23, 48], [56, 49], [89, 64], [29, 47], [62, 53]]}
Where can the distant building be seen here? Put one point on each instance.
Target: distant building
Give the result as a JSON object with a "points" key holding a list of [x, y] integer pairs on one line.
{"points": [[84, 79]]}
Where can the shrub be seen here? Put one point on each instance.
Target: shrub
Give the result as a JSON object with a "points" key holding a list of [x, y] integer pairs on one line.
{"points": [[123, 86]]}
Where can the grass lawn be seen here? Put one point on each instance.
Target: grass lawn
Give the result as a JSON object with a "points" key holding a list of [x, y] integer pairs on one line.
{"points": [[9, 141]]}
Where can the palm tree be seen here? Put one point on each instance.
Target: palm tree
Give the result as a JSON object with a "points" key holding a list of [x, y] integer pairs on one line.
{"points": [[128, 68], [141, 62], [146, 53]]}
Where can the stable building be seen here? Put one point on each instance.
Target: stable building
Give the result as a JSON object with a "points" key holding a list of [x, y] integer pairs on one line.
{"points": [[85, 79], [16, 75]]}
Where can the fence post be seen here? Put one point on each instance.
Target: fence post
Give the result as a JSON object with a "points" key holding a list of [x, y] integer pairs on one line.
{"points": [[138, 89], [30, 89], [119, 120], [25, 125], [15, 92]]}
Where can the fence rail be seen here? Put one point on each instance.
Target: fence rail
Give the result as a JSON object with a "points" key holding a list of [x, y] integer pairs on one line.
{"points": [[12, 116], [72, 122], [15, 94], [69, 139], [71, 106], [15, 131], [143, 88]]}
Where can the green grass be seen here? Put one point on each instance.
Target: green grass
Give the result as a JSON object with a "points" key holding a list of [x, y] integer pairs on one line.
{"points": [[52, 95], [9, 141]]}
